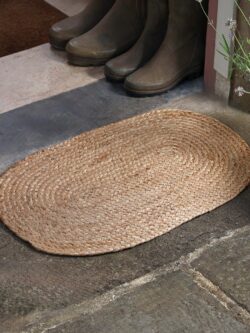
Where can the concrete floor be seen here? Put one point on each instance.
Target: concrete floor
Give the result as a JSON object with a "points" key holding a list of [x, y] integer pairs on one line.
{"points": [[39, 73], [194, 279], [68, 7]]}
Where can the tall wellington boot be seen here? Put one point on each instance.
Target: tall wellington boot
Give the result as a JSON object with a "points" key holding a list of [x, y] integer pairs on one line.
{"points": [[71, 27], [118, 68], [113, 35], [181, 54]]}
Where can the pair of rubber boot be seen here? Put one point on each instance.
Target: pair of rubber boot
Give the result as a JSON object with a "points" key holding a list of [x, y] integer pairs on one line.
{"points": [[151, 45]]}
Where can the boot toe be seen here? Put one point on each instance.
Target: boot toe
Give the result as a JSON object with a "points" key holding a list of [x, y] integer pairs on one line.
{"points": [[117, 72], [85, 51], [140, 84], [82, 47], [58, 36]]}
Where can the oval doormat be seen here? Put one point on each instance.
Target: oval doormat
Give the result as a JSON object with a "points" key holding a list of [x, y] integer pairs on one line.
{"points": [[124, 184]]}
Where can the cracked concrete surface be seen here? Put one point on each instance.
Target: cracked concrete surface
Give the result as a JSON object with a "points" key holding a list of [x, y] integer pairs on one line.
{"points": [[195, 278], [164, 300]]}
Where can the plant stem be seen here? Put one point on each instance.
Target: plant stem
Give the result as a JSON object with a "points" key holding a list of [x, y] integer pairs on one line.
{"points": [[241, 11], [208, 18]]}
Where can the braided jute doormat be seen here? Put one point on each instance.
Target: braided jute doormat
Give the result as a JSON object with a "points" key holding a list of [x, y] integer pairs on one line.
{"points": [[124, 184]]}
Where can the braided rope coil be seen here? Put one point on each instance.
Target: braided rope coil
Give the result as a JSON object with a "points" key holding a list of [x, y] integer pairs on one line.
{"points": [[124, 184]]}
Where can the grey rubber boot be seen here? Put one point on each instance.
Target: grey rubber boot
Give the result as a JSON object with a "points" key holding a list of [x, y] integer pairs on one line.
{"points": [[113, 35], [180, 56], [153, 34], [71, 27]]}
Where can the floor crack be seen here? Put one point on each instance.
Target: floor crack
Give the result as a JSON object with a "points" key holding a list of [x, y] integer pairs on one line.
{"points": [[226, 301], [43, 321]]}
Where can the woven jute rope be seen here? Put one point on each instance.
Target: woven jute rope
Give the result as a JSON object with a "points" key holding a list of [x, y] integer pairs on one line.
{"points": [[124, 184]]}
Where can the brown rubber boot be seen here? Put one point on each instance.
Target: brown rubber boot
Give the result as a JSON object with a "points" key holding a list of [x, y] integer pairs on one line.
{"points": [[153, 34], [71, 27], [113, 35], [180, 56]]}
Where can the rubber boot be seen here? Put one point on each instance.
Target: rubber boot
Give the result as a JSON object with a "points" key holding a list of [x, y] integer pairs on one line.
{"points": [[153, 34], [71, 27], [113, 35], [180, 56]]}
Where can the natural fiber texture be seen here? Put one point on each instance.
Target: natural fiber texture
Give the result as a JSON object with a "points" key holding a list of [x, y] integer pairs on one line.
{"points": [[125, 183]]}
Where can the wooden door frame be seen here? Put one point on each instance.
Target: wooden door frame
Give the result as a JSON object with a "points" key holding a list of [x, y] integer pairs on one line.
{"points": [[209, 71]]}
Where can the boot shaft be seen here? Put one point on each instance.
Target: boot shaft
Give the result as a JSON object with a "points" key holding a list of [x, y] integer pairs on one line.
{"points": [[140, 8], [133, 8], [186, 19], [157, 12]]}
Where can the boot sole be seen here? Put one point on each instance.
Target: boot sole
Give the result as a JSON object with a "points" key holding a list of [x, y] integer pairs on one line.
{"points": [[190, 75], [85, 62]]}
